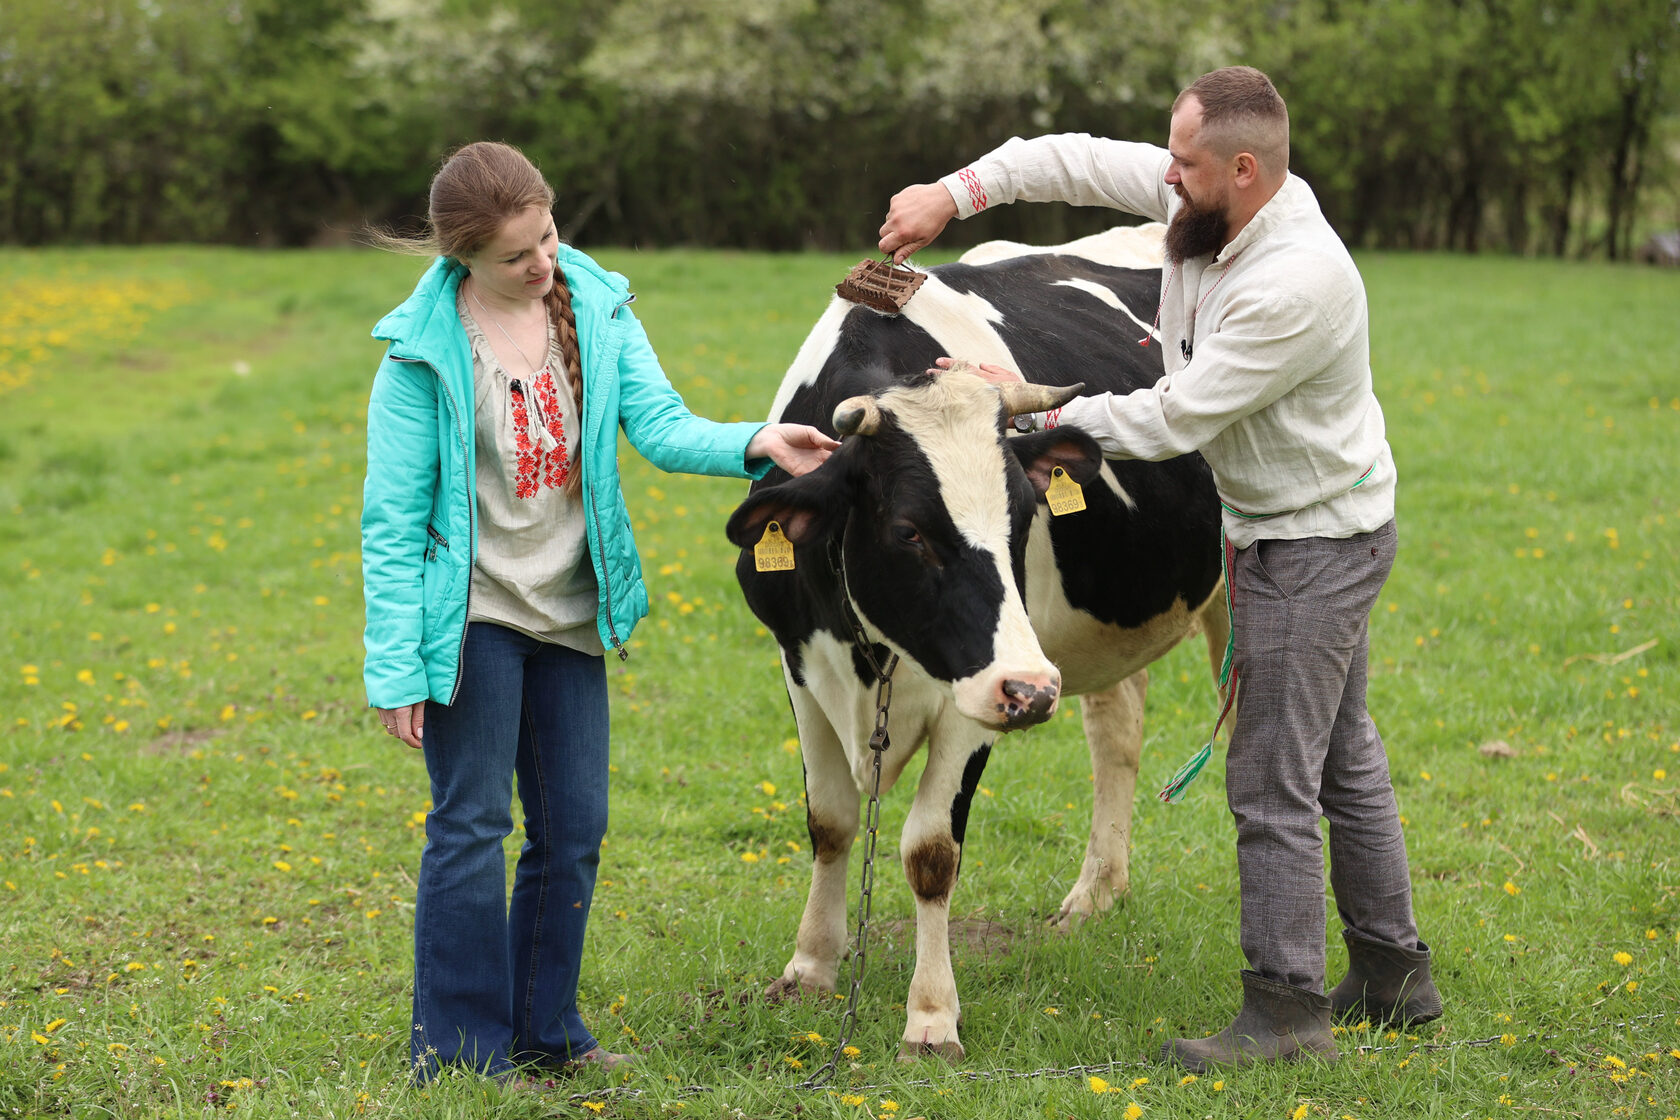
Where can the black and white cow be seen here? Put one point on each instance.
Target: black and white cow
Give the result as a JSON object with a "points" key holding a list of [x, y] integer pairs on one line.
{"points": [[935, 523]]}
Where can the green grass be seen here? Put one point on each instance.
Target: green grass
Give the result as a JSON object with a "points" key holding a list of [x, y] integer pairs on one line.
{"points": [[207, 853]]}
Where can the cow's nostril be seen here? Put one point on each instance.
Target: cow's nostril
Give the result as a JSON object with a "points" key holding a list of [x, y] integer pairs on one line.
{"points": [[1024, 701]]}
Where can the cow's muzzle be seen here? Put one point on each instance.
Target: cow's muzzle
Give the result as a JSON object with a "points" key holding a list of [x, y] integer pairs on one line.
{"points": [[1026, 703]]}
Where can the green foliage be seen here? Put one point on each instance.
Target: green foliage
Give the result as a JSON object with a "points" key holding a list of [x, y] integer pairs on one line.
{"points": [[1525, 125], [208, 851]]}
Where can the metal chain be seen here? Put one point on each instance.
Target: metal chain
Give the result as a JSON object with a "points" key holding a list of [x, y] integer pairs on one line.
{"points": [[878, 744], [1005, 1073]]}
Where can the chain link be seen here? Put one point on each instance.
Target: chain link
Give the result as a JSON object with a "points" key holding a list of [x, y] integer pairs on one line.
{"points": [[878, 744], [1005, 1073]]}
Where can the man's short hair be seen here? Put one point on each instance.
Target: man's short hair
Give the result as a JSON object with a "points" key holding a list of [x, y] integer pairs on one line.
{"points": [[1242, 111]]}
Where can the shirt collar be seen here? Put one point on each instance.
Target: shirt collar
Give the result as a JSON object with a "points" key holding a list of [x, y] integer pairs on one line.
{"points": [[1290, 197]]}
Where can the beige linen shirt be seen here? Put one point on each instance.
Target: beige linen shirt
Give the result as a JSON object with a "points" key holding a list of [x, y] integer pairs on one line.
{"points": [[1276, 392]]}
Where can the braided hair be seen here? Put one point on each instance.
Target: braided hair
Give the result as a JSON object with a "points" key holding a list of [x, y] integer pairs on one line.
{"points": [[475, 192]]}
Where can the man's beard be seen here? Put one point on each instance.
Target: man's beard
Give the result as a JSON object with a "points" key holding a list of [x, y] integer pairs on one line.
{"points": [[1195, 232]]}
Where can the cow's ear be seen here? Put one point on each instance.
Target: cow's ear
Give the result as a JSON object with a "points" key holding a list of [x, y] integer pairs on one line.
{"points": [[1069, 448], [807, 508]]}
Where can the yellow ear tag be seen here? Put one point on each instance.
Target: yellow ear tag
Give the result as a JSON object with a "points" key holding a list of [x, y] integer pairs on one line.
{"points": [[773, 552], [1064, 494]]}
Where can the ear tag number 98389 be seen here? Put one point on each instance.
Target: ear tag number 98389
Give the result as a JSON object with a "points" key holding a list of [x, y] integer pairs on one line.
{"points": [[1064, 494], [773, 552]]}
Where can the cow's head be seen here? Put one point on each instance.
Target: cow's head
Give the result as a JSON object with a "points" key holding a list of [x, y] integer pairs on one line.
{"points": [[931, 506]]}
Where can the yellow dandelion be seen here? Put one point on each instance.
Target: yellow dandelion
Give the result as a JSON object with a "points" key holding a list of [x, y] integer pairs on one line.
{"points": [[594, 1106], [1098, 1085], [1133, 1111], [1512, 889], [1623, 958], [749, 857], [1187, 1079], [1300, 1112]]}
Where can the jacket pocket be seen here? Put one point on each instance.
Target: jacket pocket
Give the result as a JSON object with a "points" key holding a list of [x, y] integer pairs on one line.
{"points": [[438, 541]]}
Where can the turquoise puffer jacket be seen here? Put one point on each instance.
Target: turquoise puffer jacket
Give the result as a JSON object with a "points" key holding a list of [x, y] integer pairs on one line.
{"points": [[419, 510]]}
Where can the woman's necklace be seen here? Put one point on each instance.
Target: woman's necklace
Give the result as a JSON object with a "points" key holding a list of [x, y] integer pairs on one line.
{"points": [[473, 292]]}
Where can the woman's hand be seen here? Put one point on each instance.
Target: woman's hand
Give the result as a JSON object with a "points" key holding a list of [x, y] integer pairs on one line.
{"points": [[406, 723], [796, 448]]}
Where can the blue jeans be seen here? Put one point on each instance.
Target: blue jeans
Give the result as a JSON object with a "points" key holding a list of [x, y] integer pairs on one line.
{"points": [[496, 984]]}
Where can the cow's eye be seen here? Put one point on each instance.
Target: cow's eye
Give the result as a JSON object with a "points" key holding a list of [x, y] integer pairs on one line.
{"points": [[907, 535]]}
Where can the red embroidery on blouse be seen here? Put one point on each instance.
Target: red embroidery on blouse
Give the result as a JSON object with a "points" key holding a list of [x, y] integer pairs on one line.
{"points": [[535, 468]]}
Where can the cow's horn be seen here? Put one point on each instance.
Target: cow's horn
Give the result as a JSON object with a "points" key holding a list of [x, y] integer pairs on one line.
{"points": [[857, 416], [1020, 397]]}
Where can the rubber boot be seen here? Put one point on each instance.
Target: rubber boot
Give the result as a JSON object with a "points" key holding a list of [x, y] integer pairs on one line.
{"points": [[1386, 984], [1277, 1023]]}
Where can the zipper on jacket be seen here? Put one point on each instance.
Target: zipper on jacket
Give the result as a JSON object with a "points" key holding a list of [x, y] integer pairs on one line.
{"points": [[606, 584], [437, 543], [460, 435], [595, 512]]}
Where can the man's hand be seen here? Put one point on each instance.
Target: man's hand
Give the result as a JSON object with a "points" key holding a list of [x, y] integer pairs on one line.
{"points": [[915, 216], [985, 371], [796, 448]]}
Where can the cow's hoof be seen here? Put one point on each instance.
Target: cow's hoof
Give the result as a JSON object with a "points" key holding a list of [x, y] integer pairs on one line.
{"points": [[1069, 918], [783, 989], [1082, 905], [911, 1051]]}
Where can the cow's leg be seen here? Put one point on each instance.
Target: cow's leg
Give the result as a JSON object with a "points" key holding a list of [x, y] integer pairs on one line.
{"points": [[1114, 732], [831, 819], [931, 849]]}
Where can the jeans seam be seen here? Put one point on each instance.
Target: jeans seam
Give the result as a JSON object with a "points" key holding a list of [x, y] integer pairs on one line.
{"points": [[542, 889]]}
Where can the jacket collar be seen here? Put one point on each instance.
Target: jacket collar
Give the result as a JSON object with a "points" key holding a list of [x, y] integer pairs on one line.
{"points": [[1292, 198], [425, 323]]}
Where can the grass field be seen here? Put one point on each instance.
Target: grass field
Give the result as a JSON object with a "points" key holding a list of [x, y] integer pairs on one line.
{"points": [[207, 853]]}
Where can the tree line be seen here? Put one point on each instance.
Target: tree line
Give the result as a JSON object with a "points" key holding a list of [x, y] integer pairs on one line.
{"points": [[1526, 126]]}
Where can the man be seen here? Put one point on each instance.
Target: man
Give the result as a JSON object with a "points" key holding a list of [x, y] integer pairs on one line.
{"points": [[1263, 329]]}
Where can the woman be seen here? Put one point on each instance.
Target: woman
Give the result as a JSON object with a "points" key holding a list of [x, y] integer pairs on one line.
{"points": [[498, 564]]}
